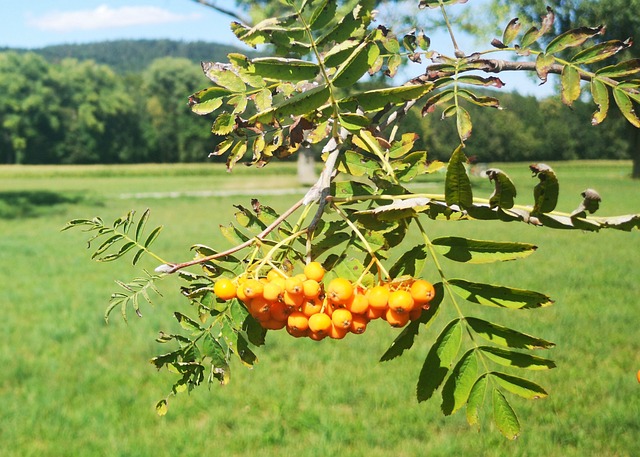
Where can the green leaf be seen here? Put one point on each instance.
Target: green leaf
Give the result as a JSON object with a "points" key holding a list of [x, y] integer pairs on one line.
{"points": [[284, 69], [504, 416], [376, 99], [353, 68], [506, 337], [161, 407], [519, 386], [456, 390], [439, 359], [223, 75], [620, 70], [463, 123], [457, 187], [475, 400], [232, 234], [107, 244], [625, 105], [511, 31], [570, 85], [504, 192], [481, 251], [600, 96], [211, 348], [187, 323], [572, 38], [300, 103], [545, 193], [516, 359], [224, 124], [600, 51], [499, 296], [152, 236], [354, 164], [206, 107], [544, 63], [411, 262], [325, 11]]}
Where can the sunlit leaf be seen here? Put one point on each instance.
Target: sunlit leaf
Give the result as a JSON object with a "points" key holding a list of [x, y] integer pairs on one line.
{"points": [[457, 188], [625, 105], [439, 360], [600, 51], [600, 95], [572, 38], [620, 70], [499, 296], [511, 31], [504, 416], [475, 400], [516, 359], [456, 390], [481, 251], [570, 85], [519, 386], [506, 337]]}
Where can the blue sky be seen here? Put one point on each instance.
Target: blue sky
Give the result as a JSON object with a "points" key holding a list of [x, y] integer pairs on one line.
{"points": [[38, 23]]}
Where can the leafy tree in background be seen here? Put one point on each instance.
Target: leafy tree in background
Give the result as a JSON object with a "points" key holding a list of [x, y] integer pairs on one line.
{"points": [[26, 88], [172, 135]]}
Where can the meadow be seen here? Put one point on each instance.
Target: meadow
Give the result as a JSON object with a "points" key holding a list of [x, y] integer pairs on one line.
{"points": [[71, 385]]}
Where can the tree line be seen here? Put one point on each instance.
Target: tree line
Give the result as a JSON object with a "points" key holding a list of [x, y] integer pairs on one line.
{"points": [[69, 110]]}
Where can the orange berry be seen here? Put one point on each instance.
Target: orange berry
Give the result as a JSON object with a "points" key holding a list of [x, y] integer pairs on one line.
{"points": [[259, 308], [272, 291], [342, 318], [292, 300], [274, 274], [400, 301], [320, 323], [225, 289], [337, 333], [396, 319], [312, 306], [638, 375], [311, 288], [298, 321], [359, 304], [314, 270], [317, 336], [279, 311], [378, 297], [293, 285], [358, 324], [253, 288], [422, 291], [273, 324], [297, 333], [375, 313], [339, 290]]}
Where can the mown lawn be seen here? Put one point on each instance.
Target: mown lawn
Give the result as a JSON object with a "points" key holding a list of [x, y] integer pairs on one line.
{"points": [[73, 386]]}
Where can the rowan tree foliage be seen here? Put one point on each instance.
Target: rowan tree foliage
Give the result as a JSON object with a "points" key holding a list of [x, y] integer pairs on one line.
{"points": [[349, 235]]}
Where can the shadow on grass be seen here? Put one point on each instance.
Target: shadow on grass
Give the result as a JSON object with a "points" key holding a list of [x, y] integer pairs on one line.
{"points": [[25, 204]]}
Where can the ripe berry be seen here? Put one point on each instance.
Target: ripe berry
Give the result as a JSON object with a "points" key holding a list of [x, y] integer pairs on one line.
{"points": [[320, 323], [339, 290], [422, 291], [225, 289], [314, 270], [342, 318], [378, 297], [400, 301]]}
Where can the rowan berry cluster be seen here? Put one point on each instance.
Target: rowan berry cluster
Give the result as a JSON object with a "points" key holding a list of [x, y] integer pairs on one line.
{"points": [[307, 308]]}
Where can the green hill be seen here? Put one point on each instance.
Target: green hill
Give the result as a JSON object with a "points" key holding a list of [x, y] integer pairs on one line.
{"points": [[132, 56]]}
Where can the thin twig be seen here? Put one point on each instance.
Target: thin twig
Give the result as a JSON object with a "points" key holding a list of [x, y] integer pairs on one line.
{"points": [[172, 268]]}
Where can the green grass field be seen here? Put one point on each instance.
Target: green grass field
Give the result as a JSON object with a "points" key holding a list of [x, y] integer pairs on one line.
{"points": [[70, 385]]}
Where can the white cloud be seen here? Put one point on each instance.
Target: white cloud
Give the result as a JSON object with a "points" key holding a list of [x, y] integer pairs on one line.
{"points": [[105, 17]]}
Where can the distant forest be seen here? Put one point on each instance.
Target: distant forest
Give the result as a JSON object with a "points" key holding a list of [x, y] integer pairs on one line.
{"points": [[126, 102]]}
